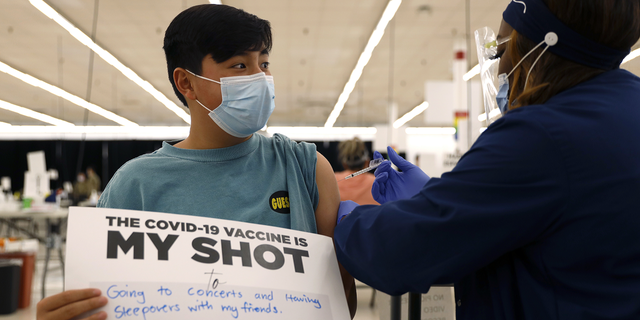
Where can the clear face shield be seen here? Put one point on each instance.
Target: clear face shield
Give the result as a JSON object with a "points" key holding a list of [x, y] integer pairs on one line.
{"points": [[489, 61]]}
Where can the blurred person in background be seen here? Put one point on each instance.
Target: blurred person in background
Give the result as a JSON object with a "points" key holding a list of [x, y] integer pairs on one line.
{"points": [[354, 157], [81, 190], [86, 184], [93, 180]]}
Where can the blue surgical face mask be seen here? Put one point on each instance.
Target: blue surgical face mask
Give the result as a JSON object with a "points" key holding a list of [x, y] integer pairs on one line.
{"points": [[503, 93], [247, 103]]}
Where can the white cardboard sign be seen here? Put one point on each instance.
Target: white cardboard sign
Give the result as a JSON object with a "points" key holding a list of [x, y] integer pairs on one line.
{"points": [[167, 266], [36, 162]]}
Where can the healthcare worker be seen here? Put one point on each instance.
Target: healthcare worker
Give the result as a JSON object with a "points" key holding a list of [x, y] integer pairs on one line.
{"points": [[540, 219]]}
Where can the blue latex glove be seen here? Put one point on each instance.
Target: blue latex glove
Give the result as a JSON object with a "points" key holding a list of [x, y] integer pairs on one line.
{"points": [[391, 185], [345, 208]]}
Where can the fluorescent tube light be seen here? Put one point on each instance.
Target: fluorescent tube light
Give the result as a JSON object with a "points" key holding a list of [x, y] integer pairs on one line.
{"points": [[472, 73], [375, 38], [33, 114], [215, 1], [634, 54], [324, 133], [322, 130], [65, 95], [98, 129], [411, 114], [109, 58], [4, 124], [93, 133], [494, 113], [431, 130]]}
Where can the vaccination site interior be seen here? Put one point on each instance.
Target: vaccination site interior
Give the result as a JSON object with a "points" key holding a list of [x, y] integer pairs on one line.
{"points": [[325, 159]]}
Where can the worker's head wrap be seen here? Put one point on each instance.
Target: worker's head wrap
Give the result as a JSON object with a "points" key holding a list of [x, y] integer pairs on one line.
{"points": [[533, 19]]}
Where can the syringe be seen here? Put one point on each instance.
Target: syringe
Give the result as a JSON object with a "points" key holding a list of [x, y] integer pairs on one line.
{"points": [[372, 165]]}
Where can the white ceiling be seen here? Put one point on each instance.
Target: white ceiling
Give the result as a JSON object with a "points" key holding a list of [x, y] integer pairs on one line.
{"points": [[316, 46]]}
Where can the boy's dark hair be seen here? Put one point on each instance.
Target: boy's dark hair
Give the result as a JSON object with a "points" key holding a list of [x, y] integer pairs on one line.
{"points": [[219, 30]]}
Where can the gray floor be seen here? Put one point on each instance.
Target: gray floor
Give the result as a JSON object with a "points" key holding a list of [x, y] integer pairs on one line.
{"points": [[54, 285]]}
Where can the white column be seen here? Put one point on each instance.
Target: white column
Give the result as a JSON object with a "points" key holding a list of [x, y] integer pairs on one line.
{"points": [[393, 132], [460, 90]]}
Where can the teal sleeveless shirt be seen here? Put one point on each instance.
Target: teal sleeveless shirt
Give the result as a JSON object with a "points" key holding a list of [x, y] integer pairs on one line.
{"points": [[270, 181]]}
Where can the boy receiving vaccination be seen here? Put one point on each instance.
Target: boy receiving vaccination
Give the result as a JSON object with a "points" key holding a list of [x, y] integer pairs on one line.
{"points": [[218, 63]]}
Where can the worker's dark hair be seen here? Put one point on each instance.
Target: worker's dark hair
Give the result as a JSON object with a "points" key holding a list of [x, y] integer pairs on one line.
{"points": [[615, 23], [209, 29], [353, 154]]}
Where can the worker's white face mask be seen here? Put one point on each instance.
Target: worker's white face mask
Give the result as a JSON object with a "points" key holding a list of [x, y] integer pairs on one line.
{"points": [[247, 103]]}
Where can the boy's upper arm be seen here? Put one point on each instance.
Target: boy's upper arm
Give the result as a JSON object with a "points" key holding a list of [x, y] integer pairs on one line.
{"points": [[326, 215], [328, 197]]}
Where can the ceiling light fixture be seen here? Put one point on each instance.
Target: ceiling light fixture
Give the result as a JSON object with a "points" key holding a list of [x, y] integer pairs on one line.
{"points": [[634, 54], [101, 129], [93, 133], [431, 130], [33, 114], [215, 1], [325, 133], [322, 130], [65, 95], [321, 133], [109, 58], [411, 114], [472, 73], [494, 113], [375, 38]]}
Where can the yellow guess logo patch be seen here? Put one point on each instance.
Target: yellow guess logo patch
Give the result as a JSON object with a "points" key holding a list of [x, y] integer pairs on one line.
{"points": [[279, 202]]}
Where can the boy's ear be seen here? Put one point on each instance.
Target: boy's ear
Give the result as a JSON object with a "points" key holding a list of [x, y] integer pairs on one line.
{"points": [[183, 83]]}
